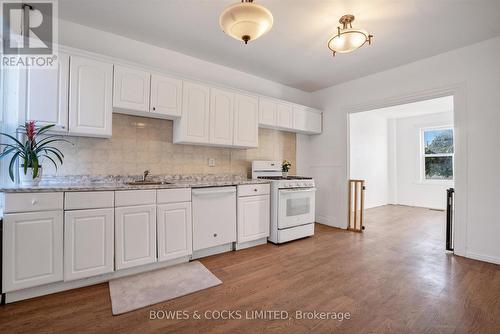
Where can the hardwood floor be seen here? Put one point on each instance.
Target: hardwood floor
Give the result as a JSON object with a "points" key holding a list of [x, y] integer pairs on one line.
{"points": [[393, 278]]}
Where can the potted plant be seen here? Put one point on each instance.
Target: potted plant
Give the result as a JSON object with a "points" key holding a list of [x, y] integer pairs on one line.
{"points": [[31, 151], [285, 167]]}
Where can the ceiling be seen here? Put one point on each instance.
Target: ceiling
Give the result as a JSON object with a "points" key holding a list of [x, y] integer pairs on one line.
{"points": [[425, 107], [294, 52]]}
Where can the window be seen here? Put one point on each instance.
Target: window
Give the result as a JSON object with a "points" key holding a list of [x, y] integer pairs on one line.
{"points": [[438, 153]]}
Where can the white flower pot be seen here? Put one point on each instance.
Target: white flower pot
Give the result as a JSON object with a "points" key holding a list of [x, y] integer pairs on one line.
{"points": [[284, 174], [27, 179]]}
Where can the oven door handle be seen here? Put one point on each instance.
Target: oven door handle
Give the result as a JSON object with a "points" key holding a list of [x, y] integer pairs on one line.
{"points": [[295, 190]]}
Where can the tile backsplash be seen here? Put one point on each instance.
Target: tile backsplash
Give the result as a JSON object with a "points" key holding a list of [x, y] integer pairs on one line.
{"points": [[140, 143]]}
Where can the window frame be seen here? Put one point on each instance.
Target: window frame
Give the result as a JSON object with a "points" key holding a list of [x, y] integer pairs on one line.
{"points": [[424, 155]]}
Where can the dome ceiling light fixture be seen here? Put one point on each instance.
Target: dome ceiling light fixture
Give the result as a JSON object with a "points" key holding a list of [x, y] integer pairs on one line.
{"points": [[348, 38], [246, 21]]}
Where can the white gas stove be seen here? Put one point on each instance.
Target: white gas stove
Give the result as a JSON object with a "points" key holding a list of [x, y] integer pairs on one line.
{"points": [[292, 202]]}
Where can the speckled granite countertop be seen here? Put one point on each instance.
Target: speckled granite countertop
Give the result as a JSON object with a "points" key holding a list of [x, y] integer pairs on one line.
{"points": [[110, 183]]}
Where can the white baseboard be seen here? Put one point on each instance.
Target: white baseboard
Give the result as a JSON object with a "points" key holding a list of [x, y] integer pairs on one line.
{"points": [[330, 221], [48, 289], [212, 251], [249, 244], [481, 257]]}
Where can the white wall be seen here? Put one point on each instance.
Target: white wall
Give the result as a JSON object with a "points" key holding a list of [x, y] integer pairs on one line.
{"points": [[472, 74], [410, 188], [369, 159], [98, 41]]}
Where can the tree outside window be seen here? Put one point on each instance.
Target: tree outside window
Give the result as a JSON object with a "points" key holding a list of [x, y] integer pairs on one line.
{"points": [[438, 153]]}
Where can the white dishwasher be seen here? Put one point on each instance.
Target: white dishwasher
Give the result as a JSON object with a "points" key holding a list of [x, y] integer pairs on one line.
{"points": [[214, 217]]}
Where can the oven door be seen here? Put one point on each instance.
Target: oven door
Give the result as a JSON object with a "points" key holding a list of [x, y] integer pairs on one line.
{"points": [[296, 207]]}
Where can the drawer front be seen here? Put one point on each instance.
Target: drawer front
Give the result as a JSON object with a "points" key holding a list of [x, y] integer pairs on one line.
{"points": [[135, 197], [89, 200], [253, 190], [29, 202], [173, 195]]}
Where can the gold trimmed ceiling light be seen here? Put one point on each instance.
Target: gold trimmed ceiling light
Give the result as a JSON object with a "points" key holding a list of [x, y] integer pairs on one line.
{"points": [[246, 21], [348, 38]]}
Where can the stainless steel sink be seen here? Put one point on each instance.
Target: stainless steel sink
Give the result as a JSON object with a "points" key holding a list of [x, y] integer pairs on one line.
{"points": [[147, 183]]}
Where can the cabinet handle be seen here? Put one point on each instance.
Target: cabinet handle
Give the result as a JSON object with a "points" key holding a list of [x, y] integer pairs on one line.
{"points": [[154, 108], [34, 202], [215, 235], [255, 189]]}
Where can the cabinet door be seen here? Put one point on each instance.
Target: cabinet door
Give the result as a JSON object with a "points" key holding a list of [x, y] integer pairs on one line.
{"points": [[285, 115], [221, 117], [267, 112], [90, 97], [246, 121], [253, 218], [193, 127], [314, 122], [174, 231], [47, 95], [300, 118], [131, 89], [135, 236], [32, 249], [166, 96], [88, 243]]}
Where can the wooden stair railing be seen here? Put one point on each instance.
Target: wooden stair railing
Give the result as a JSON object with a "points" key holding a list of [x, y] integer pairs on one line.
{"points": [[356, 205]]}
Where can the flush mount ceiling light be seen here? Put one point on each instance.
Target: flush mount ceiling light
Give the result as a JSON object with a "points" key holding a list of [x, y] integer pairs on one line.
{"points": [[246, 21], [348, 38]]}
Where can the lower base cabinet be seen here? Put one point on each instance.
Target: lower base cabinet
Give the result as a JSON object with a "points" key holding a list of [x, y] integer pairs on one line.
{"points": [[32, 249], [174, 231], [253, 218], [88, 243], [135, 236]]}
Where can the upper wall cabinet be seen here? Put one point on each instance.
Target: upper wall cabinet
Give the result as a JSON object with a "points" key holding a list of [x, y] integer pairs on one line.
{"points": [[193, 127], [47, 95], [246, 121], [131, 89], [221, 117], [166, 96], [281, 115], [90, 97], [141, 93]]}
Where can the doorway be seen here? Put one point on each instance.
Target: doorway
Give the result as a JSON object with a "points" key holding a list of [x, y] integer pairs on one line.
{"points": [[405, 154]]}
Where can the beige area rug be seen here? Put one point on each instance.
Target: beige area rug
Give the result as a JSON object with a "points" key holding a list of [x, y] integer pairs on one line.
{"points": [[134, 292]]}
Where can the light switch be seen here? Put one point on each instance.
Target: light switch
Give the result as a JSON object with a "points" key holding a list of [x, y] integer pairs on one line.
{"points": [[211, 162]]}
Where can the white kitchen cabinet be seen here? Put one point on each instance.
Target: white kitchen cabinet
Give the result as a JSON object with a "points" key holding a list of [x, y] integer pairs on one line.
{"points": [[194, 125], [214, 217], [306, 120], [246, 121], [253, 218], [314, 122], [131, 89], [135, 236], [284, 115], [166, 96], [221, 117], [88, 243], [47, 95], [268, 112], [90, 97], [32, 249], [174, 231]]}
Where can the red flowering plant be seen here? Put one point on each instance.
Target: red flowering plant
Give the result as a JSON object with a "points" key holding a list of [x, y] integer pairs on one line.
{"points": [[38, 145]]}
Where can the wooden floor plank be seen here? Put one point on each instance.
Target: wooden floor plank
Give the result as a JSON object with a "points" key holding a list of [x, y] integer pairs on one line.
{"points": [[393, 278]]}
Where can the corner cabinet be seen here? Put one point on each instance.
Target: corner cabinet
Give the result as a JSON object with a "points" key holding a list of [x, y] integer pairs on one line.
{"points": [[246, 121], [90, 97], [32, 249], [194, 125]]}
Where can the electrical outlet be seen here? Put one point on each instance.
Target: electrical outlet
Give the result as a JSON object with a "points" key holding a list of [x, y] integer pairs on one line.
{"points": [[211, 162]]}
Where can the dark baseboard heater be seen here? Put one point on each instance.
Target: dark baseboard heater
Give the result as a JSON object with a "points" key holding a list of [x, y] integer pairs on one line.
{"points": [[450, 208]]}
